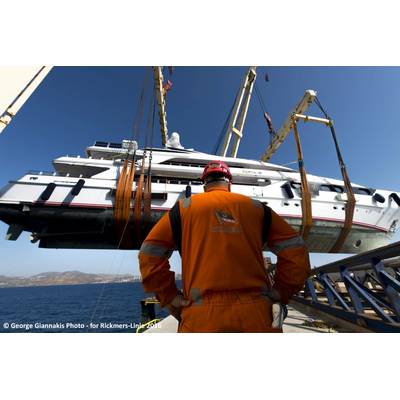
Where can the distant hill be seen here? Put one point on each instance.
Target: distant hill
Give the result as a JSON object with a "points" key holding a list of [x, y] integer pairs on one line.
{"points": [[64, 278]]}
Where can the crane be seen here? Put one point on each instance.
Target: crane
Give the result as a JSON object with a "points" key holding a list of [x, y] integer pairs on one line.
{"points": [[162, 113], [16, 86], [298, 112], [238, 115]]}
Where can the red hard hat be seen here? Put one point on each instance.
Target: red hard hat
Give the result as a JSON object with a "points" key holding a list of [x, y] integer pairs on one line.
{"points": [[216, 167]]}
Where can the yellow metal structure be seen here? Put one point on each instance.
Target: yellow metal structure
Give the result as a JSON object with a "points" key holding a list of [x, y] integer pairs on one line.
{"points": [[282, 133], [291, 122], [238, 116], [16, 85], [162, 113]]}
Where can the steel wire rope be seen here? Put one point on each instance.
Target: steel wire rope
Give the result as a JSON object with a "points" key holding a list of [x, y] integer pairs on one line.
{"points": [[225, 126], [261, 102], [135, 135], [135, 128], [350, 206]]}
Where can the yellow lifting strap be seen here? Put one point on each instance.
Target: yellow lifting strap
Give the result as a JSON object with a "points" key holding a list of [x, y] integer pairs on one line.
{"points": [[349, 213], [122, 205], [119, 194], [351, 201], [306, 208]]}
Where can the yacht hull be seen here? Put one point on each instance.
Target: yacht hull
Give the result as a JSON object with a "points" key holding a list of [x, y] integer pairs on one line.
{"points": [[94, 228], [73, 207]]}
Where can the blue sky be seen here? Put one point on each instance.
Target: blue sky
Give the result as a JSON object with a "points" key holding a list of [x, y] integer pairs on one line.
{"points": [[75, 106]]}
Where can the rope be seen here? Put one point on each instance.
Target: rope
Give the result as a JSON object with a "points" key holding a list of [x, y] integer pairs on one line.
{"points": [[125, 181], [147, 186], [140, 109], [351, 201], [260, 98]]}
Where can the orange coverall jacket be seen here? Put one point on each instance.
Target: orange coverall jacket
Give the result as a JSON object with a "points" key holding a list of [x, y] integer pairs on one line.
{"points": [[223, 270]]}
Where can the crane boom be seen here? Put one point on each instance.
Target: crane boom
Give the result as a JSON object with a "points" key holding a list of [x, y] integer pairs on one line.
{"points": [[162, 113], [280, 136], [16, 86], [238, 115]]}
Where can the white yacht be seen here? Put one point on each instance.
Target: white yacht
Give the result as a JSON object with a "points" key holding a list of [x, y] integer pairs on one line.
{"points": [[73, 207]]}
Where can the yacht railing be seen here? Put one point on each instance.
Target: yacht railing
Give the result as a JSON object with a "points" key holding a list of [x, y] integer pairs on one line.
{"points": [[54, 173]]}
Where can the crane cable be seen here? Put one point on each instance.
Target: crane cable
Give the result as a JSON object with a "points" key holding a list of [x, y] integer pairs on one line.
{"points": [[147, 187], [266, 115], [123, 195], [225, 127], [351, 201], [143, 190]]}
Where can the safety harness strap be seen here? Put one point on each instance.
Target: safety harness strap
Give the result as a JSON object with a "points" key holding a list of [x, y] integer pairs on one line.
{"points": [[266, 223], [176, 227]]}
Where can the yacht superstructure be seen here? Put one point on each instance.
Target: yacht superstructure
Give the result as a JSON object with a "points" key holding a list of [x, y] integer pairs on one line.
{"points": [[72, 207]]}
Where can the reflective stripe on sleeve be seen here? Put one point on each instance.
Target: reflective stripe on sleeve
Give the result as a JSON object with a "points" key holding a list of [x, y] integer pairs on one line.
{"points": [[156, 250], [296, 241]]}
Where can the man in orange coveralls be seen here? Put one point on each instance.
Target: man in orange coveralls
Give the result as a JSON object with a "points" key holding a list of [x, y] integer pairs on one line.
{"points": [[220, 236]]}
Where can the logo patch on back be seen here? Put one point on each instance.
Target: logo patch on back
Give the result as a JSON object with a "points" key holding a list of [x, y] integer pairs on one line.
{"points": [[226, 223], [224, 217]]}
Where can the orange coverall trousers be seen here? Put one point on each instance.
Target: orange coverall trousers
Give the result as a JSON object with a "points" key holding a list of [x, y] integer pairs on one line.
{"points": [[230, 311]]}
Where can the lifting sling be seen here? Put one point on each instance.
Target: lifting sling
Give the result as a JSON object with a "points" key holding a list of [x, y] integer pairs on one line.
{"points": [[306, 208], [142, 196], [351, 201], [123, 198]]}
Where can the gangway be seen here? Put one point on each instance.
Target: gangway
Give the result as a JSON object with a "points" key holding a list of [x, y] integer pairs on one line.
{"points": [[362, 291]]}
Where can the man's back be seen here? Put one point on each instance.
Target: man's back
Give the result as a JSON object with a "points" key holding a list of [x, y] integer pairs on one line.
{"points": [[222, 242], [220, 236]]}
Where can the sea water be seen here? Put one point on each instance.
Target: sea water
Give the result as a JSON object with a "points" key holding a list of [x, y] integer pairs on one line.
{"points": [[111, 307]]}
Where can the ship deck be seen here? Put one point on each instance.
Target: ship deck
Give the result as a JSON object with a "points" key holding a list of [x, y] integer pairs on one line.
{"points": [[304, 321]]}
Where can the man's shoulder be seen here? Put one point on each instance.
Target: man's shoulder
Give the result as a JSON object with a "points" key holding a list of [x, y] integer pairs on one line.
{"points": [[231, 196]]}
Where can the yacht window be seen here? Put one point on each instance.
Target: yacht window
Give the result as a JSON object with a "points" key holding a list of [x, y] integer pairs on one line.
{"points": [[325, 188], [331, 188], [358, 190], [200, 164], [263, 182], [295, 185], [101, 144], [159, 196], [337, 189]]}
